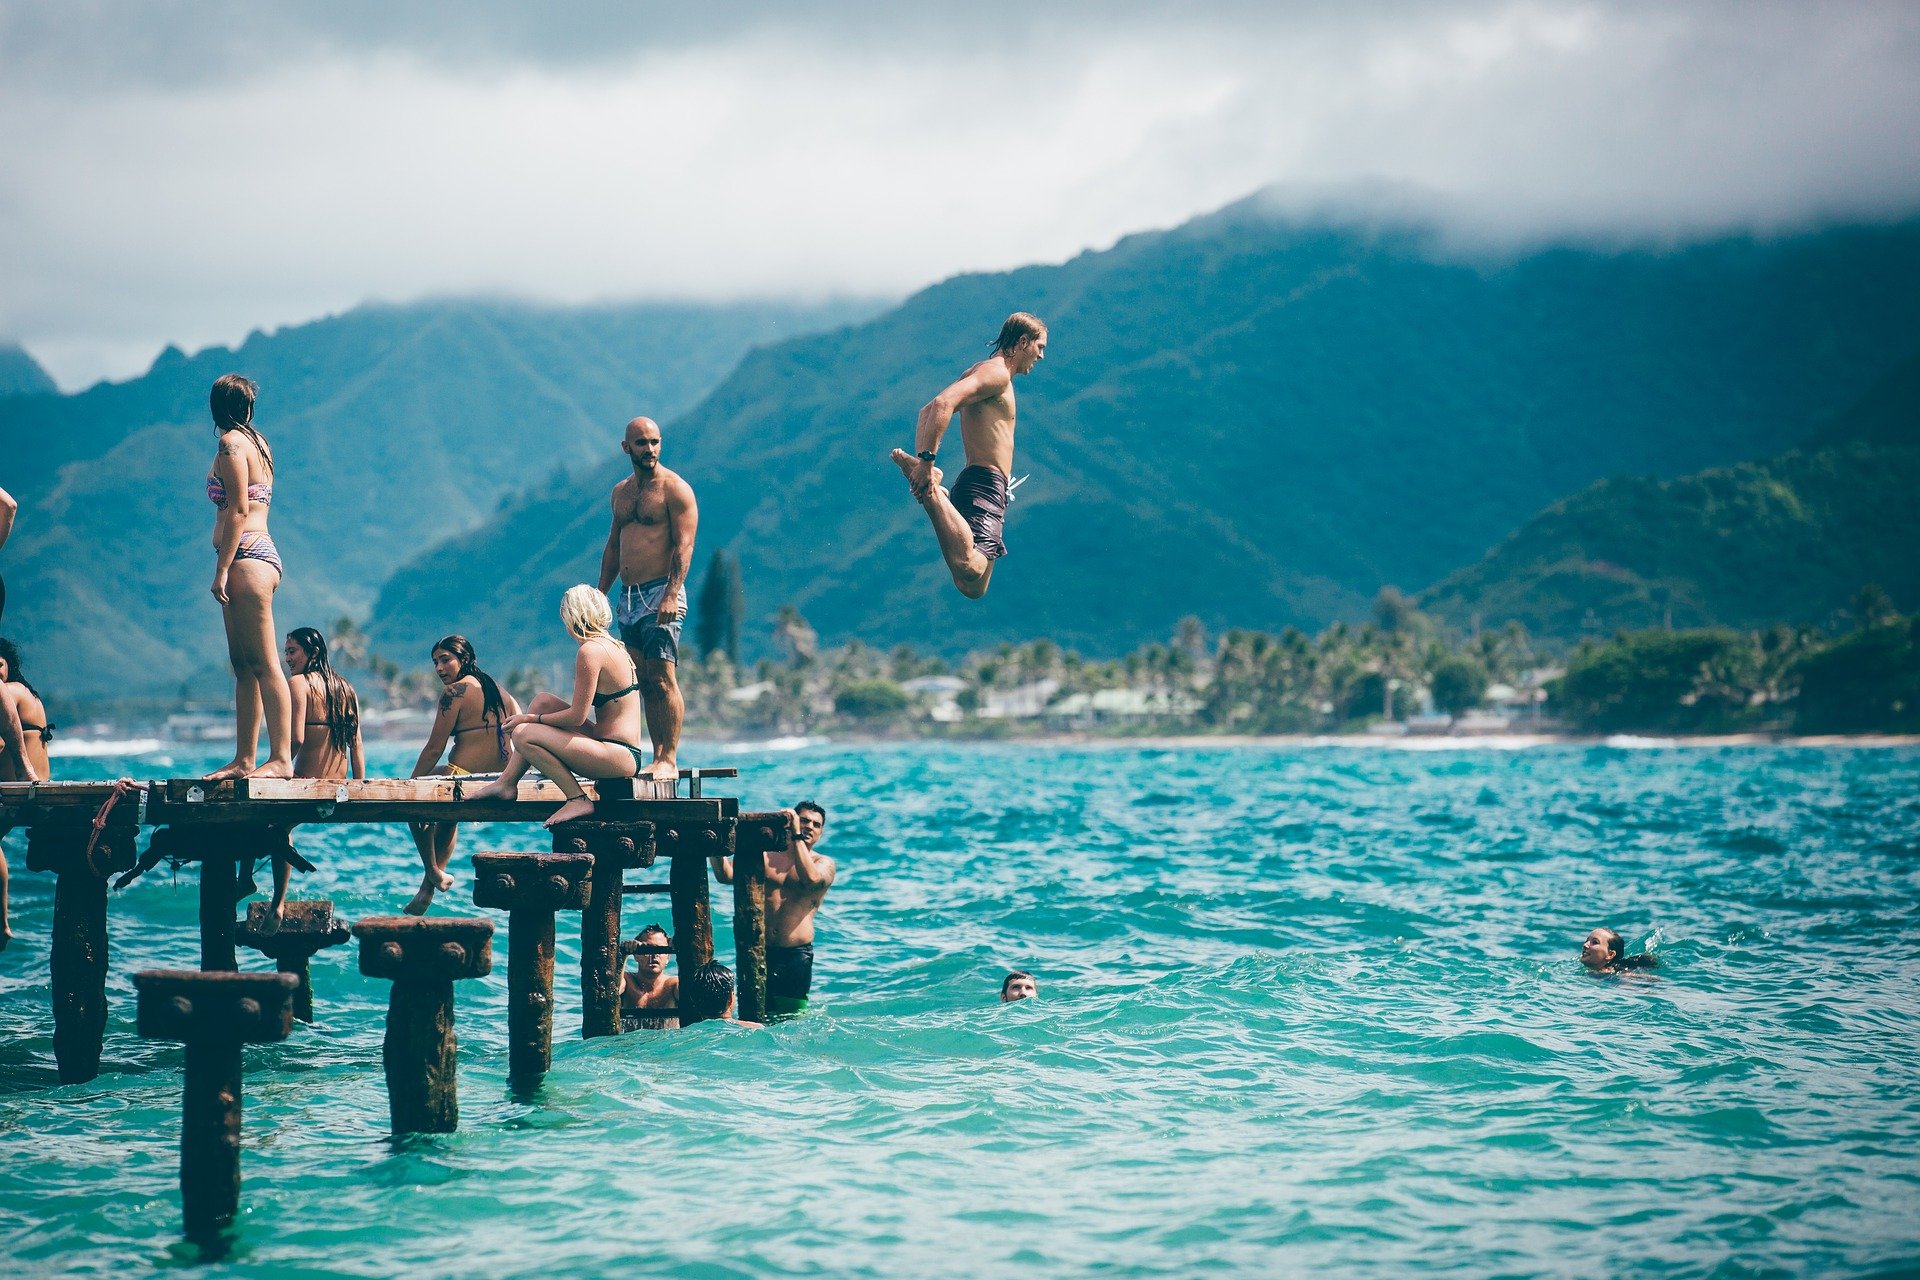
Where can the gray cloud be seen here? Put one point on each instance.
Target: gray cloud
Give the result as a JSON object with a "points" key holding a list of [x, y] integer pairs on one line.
{"points": [[184, 172]]}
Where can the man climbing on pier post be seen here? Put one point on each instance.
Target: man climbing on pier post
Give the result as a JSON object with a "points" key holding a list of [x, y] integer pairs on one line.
{"points": [[797, 883], [650, 547], [969, 519]]}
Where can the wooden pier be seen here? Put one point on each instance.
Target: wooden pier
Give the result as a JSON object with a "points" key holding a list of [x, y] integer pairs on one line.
{"points": [[88, 834]]}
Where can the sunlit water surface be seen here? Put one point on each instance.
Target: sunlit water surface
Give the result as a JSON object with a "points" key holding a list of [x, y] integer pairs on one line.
{"points": [[1304, 1011]]}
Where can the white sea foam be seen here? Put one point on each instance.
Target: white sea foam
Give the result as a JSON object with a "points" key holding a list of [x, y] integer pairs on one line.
{"points": [[787, 743], [90, 747], [1635, 742]]}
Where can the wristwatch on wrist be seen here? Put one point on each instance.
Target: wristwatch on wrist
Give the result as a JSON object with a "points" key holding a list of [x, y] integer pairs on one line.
{"points": [[926, 455]]}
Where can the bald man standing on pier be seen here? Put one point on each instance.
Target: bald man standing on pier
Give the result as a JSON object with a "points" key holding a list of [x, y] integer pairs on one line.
{"points": [[651, 549]]}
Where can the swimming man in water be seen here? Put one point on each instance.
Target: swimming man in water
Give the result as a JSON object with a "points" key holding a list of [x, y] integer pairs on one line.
{"points": [[651, 548], [969, 520], [797, 883]]}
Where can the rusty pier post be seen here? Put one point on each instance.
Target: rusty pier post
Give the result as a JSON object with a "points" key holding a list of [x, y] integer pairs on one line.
{"points": [[307, 928], [78, 963], [214, 1013], [614, 847], [690, 844], [221, 850], [757, 835], [423, 958], [531, 887]]}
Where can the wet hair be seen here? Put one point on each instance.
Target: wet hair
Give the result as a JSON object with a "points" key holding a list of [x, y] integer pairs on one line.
{"points": [[585, 612], [231, 401], [1008, 980], [658, 928], [706, 992], [491, 703], [11, 656], [1019, 327], [343, 708], [1616, 945], [809, 804]]}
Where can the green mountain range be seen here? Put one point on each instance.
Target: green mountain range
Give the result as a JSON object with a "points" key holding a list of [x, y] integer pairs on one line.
{"points": [[1251, 421], [393, 427], [1789, 538]]}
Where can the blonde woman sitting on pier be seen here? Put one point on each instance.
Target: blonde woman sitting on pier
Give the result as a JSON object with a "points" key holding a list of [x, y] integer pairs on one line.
{"points": [[594, 735]]}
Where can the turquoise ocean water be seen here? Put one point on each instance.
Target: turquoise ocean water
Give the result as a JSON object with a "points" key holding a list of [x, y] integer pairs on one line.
{"points": [[1304, 1011]]}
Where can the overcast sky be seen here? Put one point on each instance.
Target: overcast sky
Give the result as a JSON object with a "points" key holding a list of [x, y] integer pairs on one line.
{"points": [[186, 172]]}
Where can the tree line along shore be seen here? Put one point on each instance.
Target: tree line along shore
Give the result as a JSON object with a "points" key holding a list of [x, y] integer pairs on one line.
{"points": [[1402, 671]]}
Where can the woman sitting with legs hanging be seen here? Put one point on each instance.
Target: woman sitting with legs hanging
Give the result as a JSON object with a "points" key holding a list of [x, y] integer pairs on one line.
{"points": [[596, 733], [473, 716]]}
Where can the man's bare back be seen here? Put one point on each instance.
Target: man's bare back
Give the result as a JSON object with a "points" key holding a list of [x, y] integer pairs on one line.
{"points": [[968, 519]]}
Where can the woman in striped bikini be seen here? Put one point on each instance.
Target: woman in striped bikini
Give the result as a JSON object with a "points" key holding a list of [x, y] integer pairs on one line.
{"points": [[246, 573]]}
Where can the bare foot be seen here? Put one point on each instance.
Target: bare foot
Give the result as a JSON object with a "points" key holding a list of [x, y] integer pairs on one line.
{"points": [[578, 807], [234, 768], [270, 922], [664, 770], [905, 461], [273, 769], [6, 936], [443, 881], [495, 790], [418, 904]]}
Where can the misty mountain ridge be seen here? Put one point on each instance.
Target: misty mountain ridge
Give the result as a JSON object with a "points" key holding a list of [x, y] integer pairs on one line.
{"points": [[1257, 422]]}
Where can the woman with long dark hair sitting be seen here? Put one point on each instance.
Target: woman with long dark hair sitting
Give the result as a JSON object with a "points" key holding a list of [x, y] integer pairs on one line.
{"points": [[596, 734], [24, 733], [246, 573], [473, 716], [326, 712]]}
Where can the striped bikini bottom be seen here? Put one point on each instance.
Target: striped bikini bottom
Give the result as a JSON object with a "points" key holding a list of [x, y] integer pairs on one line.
{"points": [[258, 546]]}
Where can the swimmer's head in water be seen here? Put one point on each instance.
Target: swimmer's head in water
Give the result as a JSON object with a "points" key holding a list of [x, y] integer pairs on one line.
{"points": [[810, 820], [585, 612], [1022, 341], [642, 443], [1018, 985], [652, 965], [1602, 948], [707, 992]]}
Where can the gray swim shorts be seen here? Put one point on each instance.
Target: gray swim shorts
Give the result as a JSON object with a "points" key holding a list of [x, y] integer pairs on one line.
{"points": [[637, 610]]}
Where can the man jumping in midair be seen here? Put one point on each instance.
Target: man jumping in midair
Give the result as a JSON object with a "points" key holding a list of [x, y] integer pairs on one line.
{"points": [[968, 521]]}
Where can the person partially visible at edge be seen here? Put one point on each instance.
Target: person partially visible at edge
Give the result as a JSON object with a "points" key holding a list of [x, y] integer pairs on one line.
{"points": [[24, 731], [246, 573], [595, 734], [970, 519], [326, 712], [650, 547], [1604, 951], [647, 985], [8, 509], [1018, 985], [707, 995], [797, 883], [473, 716]]}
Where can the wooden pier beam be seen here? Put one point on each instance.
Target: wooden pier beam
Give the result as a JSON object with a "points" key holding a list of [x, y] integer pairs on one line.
{"points": [[757, 835], [214, 1013], [77, 965], [690, 844], [222, 849], [531, 887], [614, 847], [423, 958], [309, 927]]}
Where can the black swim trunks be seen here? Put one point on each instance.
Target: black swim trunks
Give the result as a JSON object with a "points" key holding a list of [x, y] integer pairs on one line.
{"points": [[980, 495], [789, 978]]}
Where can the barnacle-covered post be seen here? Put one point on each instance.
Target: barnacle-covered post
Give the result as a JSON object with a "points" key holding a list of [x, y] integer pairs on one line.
{"points": [[214, 1013], [307, 928], [757, 835], [77, 967], [423, 958], [690, 844], [614, 847], [531, 887]]}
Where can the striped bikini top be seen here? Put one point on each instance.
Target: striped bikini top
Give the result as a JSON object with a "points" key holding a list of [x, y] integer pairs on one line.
{"points": [[217, 492]]}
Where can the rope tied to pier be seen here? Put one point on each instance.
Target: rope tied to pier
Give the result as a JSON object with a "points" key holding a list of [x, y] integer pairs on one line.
{"points": [[121, 787]]}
